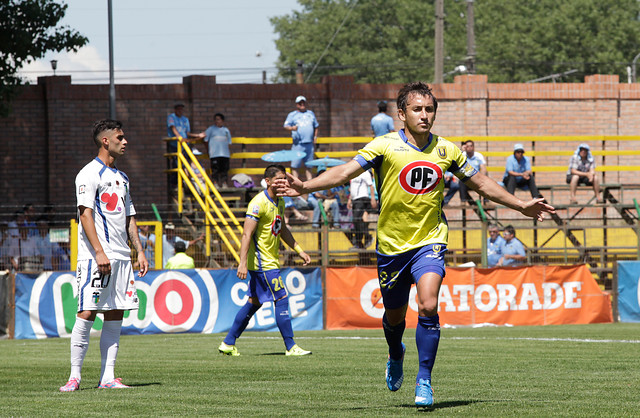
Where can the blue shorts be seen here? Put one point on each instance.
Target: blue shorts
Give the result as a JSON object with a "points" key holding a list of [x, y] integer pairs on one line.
{"points": [[396, 273], [308, 148], [266, 285]]}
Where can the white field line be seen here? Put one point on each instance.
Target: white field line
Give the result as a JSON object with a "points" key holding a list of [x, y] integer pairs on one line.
{"points": [[575, 340]]}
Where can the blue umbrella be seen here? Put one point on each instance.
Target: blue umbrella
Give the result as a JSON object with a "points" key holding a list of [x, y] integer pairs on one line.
{"points": [[326, 161], [283, 155]]}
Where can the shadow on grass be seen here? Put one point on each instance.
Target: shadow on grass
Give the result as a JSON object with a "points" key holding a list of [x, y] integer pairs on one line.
{"points": [[438, 405]]}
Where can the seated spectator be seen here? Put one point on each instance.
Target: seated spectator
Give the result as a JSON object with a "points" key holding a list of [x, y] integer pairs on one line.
{"points": [[453, 184], [477, 161], [46, 248], [290, 208], [170, 239], [218, 138], [513, 250], [582, 170], [27, 257], [180, 260], [518, 173], [495, 245], [329, 201]]}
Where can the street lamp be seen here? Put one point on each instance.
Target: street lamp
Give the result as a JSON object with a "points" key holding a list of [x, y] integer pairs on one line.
{"points": [[459, 69], [54, 65]]}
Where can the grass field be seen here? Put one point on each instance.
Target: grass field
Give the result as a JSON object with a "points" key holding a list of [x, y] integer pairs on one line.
{"points": [[586, 370]]}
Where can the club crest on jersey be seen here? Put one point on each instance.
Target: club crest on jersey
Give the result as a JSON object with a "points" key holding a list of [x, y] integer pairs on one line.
{"points": [[276, 226], [442, 152], [420, 177], [81, 189]]}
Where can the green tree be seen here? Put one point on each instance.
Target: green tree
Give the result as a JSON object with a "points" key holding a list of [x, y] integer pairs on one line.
{"points": [[516, 41], [28, 30]]}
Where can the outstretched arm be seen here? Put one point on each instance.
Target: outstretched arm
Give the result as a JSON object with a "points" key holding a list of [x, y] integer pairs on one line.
{"points": [[488, 188], [337, 176]]}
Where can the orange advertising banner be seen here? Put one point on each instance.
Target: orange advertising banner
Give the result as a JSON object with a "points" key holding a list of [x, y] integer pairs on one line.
{"points": [[536, 295]]}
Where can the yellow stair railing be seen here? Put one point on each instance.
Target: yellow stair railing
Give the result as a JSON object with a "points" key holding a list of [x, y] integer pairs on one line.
{"points": [[208, 205]]}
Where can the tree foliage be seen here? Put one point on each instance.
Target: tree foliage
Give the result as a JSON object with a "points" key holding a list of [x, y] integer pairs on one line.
{"points": [[28, 30], [393, 41]]}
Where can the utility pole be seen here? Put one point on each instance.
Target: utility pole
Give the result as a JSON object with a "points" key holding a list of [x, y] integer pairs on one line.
{"points": [[112, 85], [439, 47], [299, 72], [471, 39]]}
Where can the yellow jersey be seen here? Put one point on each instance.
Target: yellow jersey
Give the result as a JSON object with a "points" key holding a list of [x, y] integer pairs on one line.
{"points": [[264, 248], [410, 184]]}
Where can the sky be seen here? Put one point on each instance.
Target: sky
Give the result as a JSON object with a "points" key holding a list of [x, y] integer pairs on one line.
{"points": [[160, 41]]}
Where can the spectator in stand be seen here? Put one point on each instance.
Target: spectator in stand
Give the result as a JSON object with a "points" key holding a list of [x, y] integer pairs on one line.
{"points": [[582, 170], [27, 257], [329, 201], [495, 245], [362, 198], [218, 138], [303, 125], [178, 126], [169, 240], [513, 250], [478, 162], [453, 184], [180, 260], [518, 173], [148, 242], [29, 212], [382, 124]]}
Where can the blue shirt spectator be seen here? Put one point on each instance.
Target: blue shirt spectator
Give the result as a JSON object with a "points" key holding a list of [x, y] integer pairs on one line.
{"points": [[382, 124], [178, 126], [218, 139], [514, 253], [305, 122], [495, 246]]}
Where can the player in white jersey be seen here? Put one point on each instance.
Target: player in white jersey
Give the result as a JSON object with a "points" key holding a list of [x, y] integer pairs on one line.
{"points": [[104, 275]]}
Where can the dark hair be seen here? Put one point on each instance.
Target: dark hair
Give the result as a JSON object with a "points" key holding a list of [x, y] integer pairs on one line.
{"points": [[467, 141], [104, 125], [271, 171], [219, 114], [180, 247], [417, 87], [492, 225], [510, 229], [382, 106]]}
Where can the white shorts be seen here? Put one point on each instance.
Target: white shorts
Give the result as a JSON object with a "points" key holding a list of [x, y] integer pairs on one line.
{"points": [[116, 291]]}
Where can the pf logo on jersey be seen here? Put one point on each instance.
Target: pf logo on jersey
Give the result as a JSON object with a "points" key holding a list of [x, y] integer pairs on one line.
{"points": [[420, 177], [276, 226]]}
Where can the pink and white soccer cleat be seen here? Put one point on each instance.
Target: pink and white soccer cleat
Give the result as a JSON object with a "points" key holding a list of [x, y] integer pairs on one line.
{"points": [[114, 384], [72, 385]]}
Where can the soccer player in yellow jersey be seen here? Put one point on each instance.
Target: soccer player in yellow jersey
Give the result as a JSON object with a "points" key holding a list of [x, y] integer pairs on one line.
{"points": [[259, 249], [412, 229]]}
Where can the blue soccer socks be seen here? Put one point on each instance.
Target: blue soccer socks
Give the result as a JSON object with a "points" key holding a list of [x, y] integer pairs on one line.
{"points": [[283, 320], [427, 339], [240, 322], [393, 334]]}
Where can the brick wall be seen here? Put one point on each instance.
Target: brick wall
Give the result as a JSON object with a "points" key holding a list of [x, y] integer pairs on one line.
{"points": [[47, 139]]}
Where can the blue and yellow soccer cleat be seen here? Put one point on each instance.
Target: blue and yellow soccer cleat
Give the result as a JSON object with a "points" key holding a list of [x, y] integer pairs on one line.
{"points": [[424, 394], [394, 374], [229, 350]]}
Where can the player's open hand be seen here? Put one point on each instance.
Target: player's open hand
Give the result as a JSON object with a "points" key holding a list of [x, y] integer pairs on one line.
{"points": [[305, 257], [289, 186], [242, 272], [535, 208], [143, 263]]}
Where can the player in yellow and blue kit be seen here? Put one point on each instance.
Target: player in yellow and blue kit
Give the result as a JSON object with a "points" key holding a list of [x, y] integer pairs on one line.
{"points": [[263, 227], [412, 230]]}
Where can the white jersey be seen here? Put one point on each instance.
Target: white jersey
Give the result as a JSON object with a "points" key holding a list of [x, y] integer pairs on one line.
{"points": [[105, 190]]}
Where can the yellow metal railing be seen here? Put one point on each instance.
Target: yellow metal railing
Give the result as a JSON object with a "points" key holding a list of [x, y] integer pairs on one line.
{"points": [[187, 174]]}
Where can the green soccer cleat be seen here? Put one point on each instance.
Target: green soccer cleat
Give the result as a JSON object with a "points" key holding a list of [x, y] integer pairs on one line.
{"points": [[297, 351], [229, 350]]}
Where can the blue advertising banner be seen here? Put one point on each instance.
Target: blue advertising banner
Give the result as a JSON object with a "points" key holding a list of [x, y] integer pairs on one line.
{"points": [[203, 301], [629, 291]]}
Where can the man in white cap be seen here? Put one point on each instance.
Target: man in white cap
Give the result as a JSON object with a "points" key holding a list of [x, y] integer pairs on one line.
{"points": [[303, 125], [518, 173]]}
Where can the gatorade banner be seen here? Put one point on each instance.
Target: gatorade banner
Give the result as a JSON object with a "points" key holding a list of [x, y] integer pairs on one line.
{"points": [[629, 291], [203, 301], [538, 295]]}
